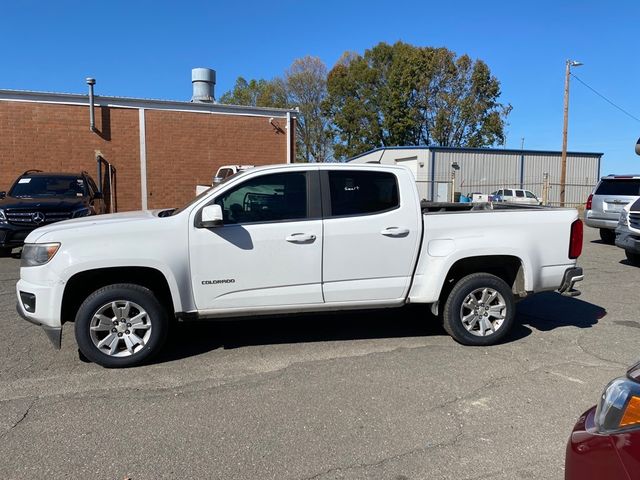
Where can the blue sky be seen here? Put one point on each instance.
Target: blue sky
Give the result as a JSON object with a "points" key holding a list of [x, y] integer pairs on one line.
{"points": [[147, 49]]}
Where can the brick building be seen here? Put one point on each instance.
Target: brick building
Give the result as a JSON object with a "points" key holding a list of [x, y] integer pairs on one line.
{"points": [[160, 149]]}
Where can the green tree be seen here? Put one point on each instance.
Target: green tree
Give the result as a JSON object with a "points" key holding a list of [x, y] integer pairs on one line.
{"points": [[304, 87], [405, 95], [257, 93]]}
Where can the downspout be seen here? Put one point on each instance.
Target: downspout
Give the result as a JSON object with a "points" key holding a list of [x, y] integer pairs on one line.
{"points": [[288, 137], [92, 118]]}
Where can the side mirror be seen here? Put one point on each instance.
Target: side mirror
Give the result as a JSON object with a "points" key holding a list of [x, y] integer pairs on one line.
{"points": [[211, 216], [98, 196], [2, 195], [217, 180]]}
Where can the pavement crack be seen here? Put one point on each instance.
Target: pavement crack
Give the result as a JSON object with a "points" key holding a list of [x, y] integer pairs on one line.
{"points": [[21, 419]]}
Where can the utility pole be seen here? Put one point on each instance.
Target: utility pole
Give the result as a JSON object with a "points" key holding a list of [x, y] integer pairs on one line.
{"points": [[563, 171]]}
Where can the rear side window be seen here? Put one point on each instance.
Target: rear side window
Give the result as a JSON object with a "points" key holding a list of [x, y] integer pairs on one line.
{"points": [[508, 193], [519, 193], [361, 193], [627, 187]]}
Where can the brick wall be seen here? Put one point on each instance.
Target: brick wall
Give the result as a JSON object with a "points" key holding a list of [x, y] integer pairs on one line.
{"points": [[183, 148]]}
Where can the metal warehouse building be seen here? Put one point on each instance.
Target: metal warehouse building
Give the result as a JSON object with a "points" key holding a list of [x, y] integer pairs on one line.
{"points": [[485, 170], [158, 149]]}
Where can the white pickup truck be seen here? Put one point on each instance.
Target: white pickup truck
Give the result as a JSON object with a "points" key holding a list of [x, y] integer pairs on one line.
{"points": [[293, 238]]}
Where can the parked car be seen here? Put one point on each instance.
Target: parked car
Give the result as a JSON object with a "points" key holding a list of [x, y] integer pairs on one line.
{"points": [[606, 202], [289, 239], [628, 232], [40, 198], [515, 195], [605, 442], [221, 175]]}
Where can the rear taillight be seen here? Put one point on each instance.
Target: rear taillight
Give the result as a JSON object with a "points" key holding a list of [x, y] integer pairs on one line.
{"points": [[589, 201], [575, 242]]}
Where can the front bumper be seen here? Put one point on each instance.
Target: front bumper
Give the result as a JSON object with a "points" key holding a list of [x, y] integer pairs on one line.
{"points": [[12, 235], [53, 333], [627, 240], [591, 455], [571, 277], [47, 307]]}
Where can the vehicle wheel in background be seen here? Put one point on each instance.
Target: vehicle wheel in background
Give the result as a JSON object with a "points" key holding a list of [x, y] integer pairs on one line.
{"points": [[480, 310], [633, 258], [608, 236], [5, 251], [120, 325]]}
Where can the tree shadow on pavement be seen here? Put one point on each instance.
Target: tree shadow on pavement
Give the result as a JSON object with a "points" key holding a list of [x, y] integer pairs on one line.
{"points": [[190, 339]]}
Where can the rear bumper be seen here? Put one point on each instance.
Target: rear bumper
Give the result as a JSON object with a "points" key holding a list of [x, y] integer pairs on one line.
{"points": [[591, 455], [627, 240], [572, 276], [592, 220]]}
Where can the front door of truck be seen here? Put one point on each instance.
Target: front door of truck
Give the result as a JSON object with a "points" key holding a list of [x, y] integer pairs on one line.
{"points": [[268, 252]]}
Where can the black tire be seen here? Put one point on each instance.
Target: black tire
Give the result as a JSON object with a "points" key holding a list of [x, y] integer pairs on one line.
{"points": [[634, 258], [5, 251], [608, 236], [140, 299], [452, 313]]}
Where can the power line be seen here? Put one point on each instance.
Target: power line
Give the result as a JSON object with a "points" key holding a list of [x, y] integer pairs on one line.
{"points": [[605, 98]]}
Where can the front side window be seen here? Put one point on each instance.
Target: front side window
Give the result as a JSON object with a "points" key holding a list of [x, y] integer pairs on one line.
{"points": [[276, 197], [519, 193], [529, 194], [360, 193], [508, 193]]}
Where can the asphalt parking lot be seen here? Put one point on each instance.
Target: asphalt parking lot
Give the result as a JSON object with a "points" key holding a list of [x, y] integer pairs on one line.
{"points": [[383, 395]]}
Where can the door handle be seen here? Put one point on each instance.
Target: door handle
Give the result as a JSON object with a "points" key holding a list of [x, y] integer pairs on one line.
{"points": [[301, 238], [395, 232]]}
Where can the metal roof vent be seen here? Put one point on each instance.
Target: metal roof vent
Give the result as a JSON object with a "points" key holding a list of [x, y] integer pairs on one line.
{"points": [[203, 81]]}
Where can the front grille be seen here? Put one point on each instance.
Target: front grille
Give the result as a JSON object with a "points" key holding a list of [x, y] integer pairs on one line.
{"points": [[27, 218], [634, 220]]}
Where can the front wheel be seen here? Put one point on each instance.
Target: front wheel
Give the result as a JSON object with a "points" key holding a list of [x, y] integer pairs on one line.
{"points": [[634, 258], [608, 236], [479, 311], [120, 325]]}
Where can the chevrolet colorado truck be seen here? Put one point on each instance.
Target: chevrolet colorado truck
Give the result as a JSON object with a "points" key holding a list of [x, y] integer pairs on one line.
{"points": [[287, 239]]}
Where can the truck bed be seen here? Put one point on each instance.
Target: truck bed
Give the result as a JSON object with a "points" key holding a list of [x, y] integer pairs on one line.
{"points": [[440, 207]]}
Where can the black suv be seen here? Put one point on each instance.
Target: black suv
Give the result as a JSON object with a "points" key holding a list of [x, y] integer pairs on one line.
{"points": [[38, 198]]}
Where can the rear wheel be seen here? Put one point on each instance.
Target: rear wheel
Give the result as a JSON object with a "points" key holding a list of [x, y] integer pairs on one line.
{"points": [[633, 258], [480, 310], [120, 325], [608, 236]]}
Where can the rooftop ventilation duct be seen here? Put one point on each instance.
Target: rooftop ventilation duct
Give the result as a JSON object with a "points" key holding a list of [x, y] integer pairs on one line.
{"points": [[203, 81]]}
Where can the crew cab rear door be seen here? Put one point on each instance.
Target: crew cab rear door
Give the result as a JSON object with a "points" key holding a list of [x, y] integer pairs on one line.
{"points": [[372, 229], [268, 252]]}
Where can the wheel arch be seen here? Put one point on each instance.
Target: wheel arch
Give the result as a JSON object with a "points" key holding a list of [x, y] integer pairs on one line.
{"points": [[82, 284], [506, 267]]}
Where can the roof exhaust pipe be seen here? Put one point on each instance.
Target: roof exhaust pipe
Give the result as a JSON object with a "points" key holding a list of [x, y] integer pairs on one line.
{"points": [[92, 117], [203, 81]]}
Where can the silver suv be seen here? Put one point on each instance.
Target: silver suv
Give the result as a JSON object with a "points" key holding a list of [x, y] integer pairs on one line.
{"points": [[606, 202]]}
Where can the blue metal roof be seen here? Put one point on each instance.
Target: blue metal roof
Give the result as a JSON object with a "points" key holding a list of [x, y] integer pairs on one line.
{"points": [[479, 150]]}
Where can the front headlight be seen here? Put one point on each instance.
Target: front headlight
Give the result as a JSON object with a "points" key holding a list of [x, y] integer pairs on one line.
{"points": [[3, 217], [34, 254], [619, 406], [83, 212]]}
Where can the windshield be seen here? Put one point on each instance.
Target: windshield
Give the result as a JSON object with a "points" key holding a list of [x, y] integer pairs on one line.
{"points": [[54, 186]]}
